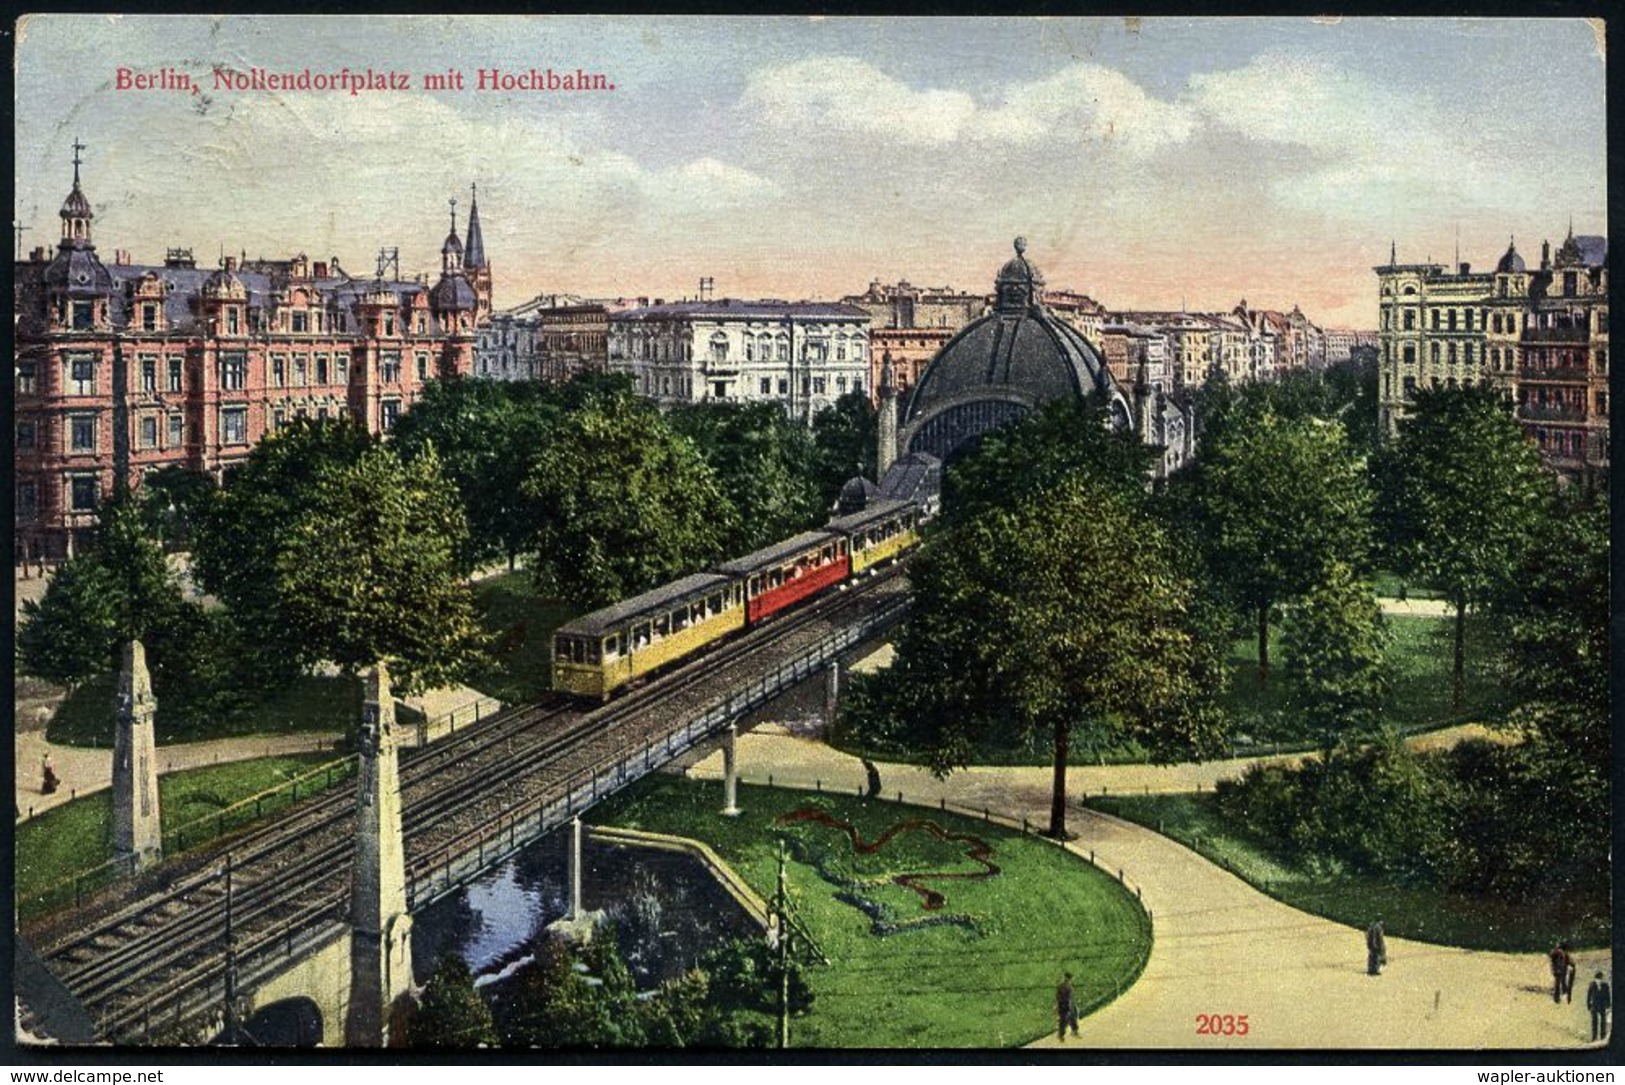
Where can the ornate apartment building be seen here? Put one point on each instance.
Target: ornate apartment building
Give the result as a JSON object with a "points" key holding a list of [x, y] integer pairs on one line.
{"points": [[551, 337], [1540, 334], [803, 355], [125, 368]]}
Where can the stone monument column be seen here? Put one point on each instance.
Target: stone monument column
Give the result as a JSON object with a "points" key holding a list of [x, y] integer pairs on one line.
{"points": [[730, 770], [886, 421], [137, 834], [380, 928]]}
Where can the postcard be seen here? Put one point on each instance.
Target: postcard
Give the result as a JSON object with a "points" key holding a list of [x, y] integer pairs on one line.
{"points": [[625, 534]]}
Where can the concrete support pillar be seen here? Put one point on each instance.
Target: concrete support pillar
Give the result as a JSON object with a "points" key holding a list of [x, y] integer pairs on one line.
{"points": [[380, 928], [576, 908], [886, 424], [137, 834], [730, 771], [832, 690]]}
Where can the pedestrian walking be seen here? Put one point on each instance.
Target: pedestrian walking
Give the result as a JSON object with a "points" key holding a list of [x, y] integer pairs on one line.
{"points": [[873, 776], [1599, 1000], [48, 779], [1376, 949], [1066, 1011], [1563, 969]]}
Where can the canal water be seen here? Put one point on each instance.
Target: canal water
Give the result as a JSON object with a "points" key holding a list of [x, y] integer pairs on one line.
{"points": [[667, 909]]}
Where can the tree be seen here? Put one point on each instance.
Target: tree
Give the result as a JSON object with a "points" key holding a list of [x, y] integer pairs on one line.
{"points": [[369, 570], [846, 436], [1066, 437], [485, 433], [451, 1012], [174, 501], [120, 589], [1334, 654], [764, 464], [1277, 500], [623, 504], [1064, 611], [239, 542], [1460, 494]]}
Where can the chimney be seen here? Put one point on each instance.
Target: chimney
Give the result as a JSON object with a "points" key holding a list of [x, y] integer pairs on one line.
{"points": [[38, 255], [231, 263], [319, 268], [121, 257], [1464, 267]]}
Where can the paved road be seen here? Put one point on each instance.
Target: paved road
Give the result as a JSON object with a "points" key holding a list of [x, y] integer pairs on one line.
{"points": [[1222, 947]]}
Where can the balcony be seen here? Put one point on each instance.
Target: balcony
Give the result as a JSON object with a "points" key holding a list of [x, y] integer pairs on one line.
{"points": [[1579, 334], [1531, 375], [1552, 414]]}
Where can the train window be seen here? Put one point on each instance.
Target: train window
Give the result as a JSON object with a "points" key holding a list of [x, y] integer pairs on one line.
{"points": [[775, 578], [577, 652], [592, 651], [662, 626], [826, 555], [697, 611], [679, 620], [713, 604], [640, 636], [755, 586], [612, 646], [561, 648]]}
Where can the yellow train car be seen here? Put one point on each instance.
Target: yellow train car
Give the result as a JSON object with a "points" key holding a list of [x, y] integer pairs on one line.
{"points": [[879, 532], [598, 653]]}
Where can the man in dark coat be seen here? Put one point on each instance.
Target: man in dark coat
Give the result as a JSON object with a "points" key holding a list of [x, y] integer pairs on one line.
{"points": [[1376, 949], [1599, 1000], [1563, 969], [1066, 1013]]}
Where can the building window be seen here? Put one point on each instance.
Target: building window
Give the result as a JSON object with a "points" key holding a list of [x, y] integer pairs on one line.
{"points": [[389, 323], [321, 369], [840, 385], [1467, 353], [233, 371], [177, 431], [767, 386], [27, 378], [1435, 320], [388, 411], [82, 433], [84, 313], [1410, 387], [301, 321], [719, 347], [83, 493], [1451, 354], [389, 368], [784, 348], [1602, 404], [279, 371], [1410, 319], [1451, 322], [27, 434], [299, 371], [1434, 353], [27, 501], [1569, 281], [234, 425], [341, 369], [174, 374], [231, 320], [279, 421], [149, 318], [784, 386], [818, 386], [149, 431], [149, 375], [423, 367], [82, 376]]}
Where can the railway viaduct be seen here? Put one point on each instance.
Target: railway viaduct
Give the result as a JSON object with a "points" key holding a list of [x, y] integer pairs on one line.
{"points": [[308, 919]]}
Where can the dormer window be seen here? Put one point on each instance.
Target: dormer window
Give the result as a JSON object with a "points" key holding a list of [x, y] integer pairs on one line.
{"points": [[232, 320], [301, 321], [389, 323], [149, 317], [84, 315]]}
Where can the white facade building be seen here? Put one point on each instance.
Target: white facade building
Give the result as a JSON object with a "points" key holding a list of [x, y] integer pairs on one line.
{"points": [[801, 355]]}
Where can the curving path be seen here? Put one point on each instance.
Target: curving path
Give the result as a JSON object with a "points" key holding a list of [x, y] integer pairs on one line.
{"points": [[1222, 947]]}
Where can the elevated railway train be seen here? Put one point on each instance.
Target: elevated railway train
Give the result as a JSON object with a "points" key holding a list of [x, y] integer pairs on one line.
{"points": [[600, 653]]}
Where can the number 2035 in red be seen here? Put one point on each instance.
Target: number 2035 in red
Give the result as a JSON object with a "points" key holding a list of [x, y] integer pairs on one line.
{"points": [[1221, 1024]]}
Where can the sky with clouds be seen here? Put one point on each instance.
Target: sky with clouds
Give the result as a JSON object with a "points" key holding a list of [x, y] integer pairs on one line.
{"points": [[1150, 163]]}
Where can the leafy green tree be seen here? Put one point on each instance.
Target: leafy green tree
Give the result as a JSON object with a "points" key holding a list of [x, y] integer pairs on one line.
{"points": [[369, 570], [1460, 495], [484, 433], [239, 543], [846, 437], [1065, 438], [1277, 500], [1334, 653], [1064, 611], [452, 1012], [763, 462], [119, 589], [174, 501], [623, 504]]}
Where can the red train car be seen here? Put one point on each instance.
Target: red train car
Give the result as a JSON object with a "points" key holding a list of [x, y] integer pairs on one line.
{"points": [[787, 572]]}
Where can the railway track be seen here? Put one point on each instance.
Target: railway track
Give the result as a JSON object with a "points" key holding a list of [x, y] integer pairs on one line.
{"points": [[124, 961]]}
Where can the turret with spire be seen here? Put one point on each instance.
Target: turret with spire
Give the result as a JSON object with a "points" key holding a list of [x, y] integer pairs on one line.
{"points": [[475, 266], [77, 283]]}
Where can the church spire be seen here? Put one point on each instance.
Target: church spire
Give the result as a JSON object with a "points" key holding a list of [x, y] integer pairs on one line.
{"points": [[474, 254]]}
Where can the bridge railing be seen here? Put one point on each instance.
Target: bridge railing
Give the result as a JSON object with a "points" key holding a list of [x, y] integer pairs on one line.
{"points": [[508, 832]]}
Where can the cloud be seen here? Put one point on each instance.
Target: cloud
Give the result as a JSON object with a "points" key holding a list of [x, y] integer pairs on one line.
{"points": [[848, 96]]}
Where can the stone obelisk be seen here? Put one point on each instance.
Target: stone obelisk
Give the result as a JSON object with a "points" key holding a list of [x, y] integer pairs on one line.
{"points": [[137, 833], [380, 928]]}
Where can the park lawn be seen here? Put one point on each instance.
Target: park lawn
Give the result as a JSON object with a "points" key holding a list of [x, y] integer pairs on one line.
{"points": [[77, 836], [521, 625], [310, 703], [986, 977], [1387, 585], [1419, 660], [1419, 914]]}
